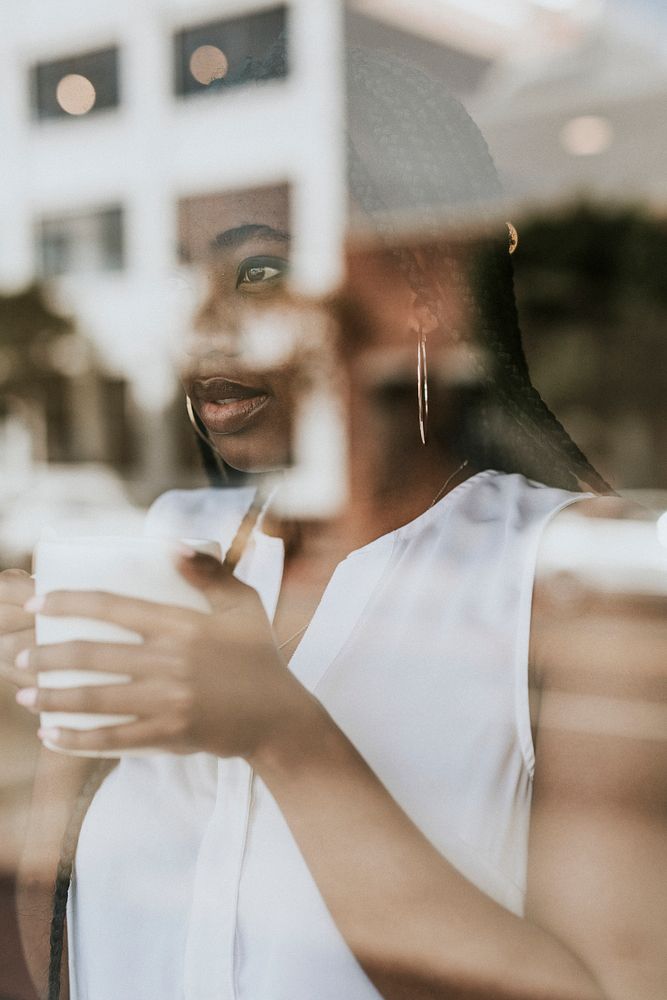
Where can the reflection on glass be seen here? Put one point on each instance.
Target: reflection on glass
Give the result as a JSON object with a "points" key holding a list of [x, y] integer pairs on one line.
{"points": [[474, 633], [81, 243], [208, 63], [587, 135], [81, 83], [230, 51], [75, 94]]}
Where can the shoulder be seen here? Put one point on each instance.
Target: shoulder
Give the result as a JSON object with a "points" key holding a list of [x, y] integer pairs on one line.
{"points": [[517, 512], [593, 548], [524, 501], [597, 829], [599, 620], [508, 498]]}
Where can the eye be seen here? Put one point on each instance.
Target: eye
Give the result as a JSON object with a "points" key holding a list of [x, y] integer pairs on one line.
{"points": [[260, 272]]}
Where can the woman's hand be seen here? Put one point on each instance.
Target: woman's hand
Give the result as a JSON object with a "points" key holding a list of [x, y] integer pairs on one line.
{"points": [[17, 626], [199, 682]]}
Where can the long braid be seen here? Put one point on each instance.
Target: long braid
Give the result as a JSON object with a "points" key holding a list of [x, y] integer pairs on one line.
{"points": [[64, 873], [521, 447], [543, 449]]}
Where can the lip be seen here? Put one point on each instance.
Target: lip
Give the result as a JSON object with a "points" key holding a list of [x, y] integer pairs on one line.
{"points": [[226, 406]]}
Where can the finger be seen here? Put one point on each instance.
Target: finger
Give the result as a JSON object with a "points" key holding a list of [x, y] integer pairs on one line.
{"points": [[16, 586], [12, 643], [15, 677], [14, 618], [145, 733], [10, 647], [145, 617], [109, 657], [144, 699], [216, 580]]}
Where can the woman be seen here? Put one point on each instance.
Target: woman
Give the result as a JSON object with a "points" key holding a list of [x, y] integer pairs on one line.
{"points": [[358, 823]]}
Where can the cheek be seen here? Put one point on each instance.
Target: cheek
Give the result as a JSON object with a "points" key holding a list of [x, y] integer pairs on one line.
{"points": [[378, 306]]}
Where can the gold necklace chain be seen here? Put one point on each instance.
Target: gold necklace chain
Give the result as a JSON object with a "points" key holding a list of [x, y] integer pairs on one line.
{"points": [[298, 632], [444, 486]]}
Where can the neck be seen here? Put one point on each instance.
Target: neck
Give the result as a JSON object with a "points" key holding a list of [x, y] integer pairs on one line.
{"points": [[392, 479], [374, 508], [386, 502]]}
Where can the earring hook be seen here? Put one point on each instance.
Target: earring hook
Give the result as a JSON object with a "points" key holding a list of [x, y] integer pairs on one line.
{"points": [[422, 386]]}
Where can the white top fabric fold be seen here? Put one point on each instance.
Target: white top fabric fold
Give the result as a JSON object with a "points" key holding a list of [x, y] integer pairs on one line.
{"points": [[188, 884]]}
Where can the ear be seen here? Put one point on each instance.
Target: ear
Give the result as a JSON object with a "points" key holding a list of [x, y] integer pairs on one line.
{"points": [[423, 316]]}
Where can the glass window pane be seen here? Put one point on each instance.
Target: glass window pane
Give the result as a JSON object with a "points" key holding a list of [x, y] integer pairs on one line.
{"points": [[230, 52], [77, 85], [81, 243]]}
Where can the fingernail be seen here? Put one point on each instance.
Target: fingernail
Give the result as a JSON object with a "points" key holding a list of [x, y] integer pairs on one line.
{"points": [[186, 551], [26, 697], [49, 735], [34, 603], [22, 661]]}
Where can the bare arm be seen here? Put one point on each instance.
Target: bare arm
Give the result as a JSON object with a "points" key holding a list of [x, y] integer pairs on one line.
{"points": [[596, 918], [417, 926], [598, 846]]}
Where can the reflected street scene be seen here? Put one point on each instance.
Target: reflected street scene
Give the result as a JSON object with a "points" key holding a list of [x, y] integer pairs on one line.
{"points": [[333, 508]]}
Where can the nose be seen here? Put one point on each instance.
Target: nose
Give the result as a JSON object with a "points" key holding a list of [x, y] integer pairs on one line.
{"points": [[216, 328], [217, 320]]}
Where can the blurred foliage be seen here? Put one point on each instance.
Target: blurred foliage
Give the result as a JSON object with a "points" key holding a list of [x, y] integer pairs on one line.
{"points": [[29, 332], [592, 298], [616, 252]]}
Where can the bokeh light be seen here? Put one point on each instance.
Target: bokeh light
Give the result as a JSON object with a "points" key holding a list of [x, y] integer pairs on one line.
{"points": [[76, 94], [558, 5], [587, 135], [208, 63]]}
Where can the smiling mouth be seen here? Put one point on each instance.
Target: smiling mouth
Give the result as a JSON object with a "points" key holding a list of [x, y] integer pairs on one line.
{"points": [[226, 406]]}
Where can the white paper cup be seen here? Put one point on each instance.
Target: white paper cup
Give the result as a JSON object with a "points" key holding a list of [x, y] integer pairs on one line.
{"points": [[141, 567]]}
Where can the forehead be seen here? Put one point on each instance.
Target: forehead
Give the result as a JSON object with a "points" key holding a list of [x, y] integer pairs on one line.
{"points": [[203, 219]]}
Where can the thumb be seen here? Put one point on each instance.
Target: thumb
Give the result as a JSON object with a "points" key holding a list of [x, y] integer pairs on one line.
{"points": [[211, 576], [16, 586]]}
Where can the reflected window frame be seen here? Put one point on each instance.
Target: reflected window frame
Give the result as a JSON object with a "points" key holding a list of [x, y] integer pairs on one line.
{"points": [[243, 39], [101, 66], [60, 241]]}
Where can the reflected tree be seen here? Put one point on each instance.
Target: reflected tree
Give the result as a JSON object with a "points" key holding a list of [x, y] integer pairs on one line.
{"points": [[593, 303]]}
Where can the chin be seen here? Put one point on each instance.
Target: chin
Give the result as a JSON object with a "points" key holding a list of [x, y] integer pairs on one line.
{"points": [[247, 455]]}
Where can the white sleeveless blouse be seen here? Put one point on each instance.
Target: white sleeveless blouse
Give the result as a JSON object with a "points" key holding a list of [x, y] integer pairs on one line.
{"points": [[188, 884]]}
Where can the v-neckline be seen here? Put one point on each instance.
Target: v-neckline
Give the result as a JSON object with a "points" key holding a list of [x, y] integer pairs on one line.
{"points": [[349, 590]]}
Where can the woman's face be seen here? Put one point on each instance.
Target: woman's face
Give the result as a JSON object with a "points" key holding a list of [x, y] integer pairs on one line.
{"points": [[246, 389], [245, 403]]}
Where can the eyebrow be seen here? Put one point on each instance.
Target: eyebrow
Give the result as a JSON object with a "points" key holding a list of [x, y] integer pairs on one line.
{"points": [[232, 238]]}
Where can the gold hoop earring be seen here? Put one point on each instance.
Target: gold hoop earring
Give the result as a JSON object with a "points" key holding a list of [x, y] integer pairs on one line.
{"points": [[193, 420], [513, 237], [192, 417], [422, 387]]}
